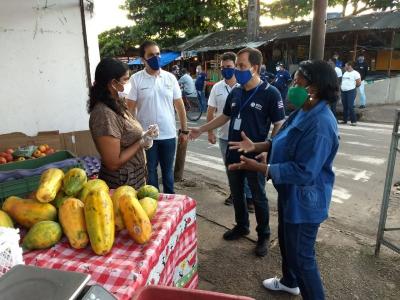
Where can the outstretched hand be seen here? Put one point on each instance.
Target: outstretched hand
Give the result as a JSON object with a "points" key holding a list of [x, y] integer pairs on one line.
{"points": [[195, 132], [245, 145], [248, 164]]}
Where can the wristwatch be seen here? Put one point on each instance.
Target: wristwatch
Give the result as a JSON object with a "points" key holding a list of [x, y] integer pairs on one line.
{"points": [[183, 131]]}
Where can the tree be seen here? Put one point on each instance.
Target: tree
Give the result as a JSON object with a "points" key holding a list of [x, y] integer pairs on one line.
{"points": [[293, 9], [172, 22]]}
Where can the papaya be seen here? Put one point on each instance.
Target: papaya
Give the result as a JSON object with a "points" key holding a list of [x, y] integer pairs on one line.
{"points": [[119, 222], [135, 218], [28, 212], [149, 205], [5, 220], [99, 216], [60, 198], [74, 181], [50, 184], [92, 185], [72, 218], [148, 191], [42, 235]]}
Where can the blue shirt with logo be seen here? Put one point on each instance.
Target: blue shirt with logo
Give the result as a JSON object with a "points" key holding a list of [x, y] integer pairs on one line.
{"points": [[260, 106], [301, 164]]}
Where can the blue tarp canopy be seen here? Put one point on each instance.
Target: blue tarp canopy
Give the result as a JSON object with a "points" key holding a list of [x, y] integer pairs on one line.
{"points": [[166, 58]]}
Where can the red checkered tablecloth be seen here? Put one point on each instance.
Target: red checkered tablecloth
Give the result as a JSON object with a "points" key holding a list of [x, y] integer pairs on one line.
{"points": [[169, 258]]}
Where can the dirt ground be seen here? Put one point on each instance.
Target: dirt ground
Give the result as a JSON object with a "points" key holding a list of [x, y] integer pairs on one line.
{"points": [[346, 259]]}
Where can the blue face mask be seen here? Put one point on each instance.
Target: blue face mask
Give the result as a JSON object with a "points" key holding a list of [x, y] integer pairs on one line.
{"points": [[243, 77], [154, 62], [228, 73]]}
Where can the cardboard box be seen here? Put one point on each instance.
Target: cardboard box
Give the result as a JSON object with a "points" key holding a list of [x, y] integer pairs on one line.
{"points": [[79, 142]]}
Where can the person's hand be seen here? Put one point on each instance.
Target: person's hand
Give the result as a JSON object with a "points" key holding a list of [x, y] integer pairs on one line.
{"points": [[195, 132], [262, 157], [246, 145], [247, 164], [146, 142], [212, 138], [153, 131], [183, 138]]}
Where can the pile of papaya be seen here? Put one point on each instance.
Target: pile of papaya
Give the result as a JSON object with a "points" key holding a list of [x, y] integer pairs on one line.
{"points": [[81, 209]]}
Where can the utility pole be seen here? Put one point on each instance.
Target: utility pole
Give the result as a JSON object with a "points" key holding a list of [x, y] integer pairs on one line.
{"points": [[318, 29], [253, 20]]}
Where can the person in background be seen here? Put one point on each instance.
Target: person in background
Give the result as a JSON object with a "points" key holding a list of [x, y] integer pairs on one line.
{"points": [[200, 85], [265, 75], [361, 67], [339, 63], [250, 108], [300, 166], [118, 136], [153, 98], [187, 84], [282, 81], [351, 79], [339, 74], [176, 71], [216, 104]]}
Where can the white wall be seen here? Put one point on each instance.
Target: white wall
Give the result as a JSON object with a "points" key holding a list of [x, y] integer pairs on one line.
{"points": [[43, 83], [384, 91]]}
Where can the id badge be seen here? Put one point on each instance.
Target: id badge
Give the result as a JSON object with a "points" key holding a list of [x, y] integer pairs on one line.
{"points": [[236, 125]]}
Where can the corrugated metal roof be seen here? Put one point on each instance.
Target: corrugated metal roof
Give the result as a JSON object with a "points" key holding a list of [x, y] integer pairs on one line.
{"points": [[233, 39]]}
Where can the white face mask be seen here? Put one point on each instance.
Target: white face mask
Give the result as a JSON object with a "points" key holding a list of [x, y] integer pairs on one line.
{"points": [[278, 69]]}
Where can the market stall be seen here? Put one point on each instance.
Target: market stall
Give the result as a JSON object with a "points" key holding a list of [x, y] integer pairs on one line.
{"points": [[169, 258]]}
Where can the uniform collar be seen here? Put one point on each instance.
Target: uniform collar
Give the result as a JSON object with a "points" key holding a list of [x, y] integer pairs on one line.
{"points": [[322, 105], [152, 76]]}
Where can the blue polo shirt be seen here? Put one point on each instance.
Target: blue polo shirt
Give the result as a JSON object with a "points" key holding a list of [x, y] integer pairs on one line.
{"points": [[301, 164], [258, 108]]}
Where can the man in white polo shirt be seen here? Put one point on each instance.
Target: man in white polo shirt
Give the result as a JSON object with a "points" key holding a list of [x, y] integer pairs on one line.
{"points": [[153, 95]]}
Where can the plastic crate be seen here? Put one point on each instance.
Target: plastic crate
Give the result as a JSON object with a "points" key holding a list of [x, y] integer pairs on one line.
{"points": [[155, 292], [23, 186], [37, 162]]}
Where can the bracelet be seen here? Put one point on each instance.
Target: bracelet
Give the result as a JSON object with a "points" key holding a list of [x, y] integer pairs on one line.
{"points": [[183, 131]]}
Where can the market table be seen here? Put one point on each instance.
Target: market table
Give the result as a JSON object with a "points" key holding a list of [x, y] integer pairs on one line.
{"points": [[169, 258]]}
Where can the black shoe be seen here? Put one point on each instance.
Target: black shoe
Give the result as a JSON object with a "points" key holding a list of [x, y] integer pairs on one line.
{"points": [[250, 205], [229, 200], [362, 106], [235, 233], [261, 247]]}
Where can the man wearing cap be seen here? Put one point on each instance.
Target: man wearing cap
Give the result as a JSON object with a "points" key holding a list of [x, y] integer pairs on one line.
{"points": [[282, 80]]}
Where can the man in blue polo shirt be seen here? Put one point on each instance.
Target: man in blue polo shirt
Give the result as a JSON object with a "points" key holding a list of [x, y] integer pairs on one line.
{"points": [[250, 108], [200, 81]]}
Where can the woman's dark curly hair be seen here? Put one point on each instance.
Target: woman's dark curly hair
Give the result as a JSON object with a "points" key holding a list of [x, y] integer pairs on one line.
{"points": [[107, 70], [322, 76]]}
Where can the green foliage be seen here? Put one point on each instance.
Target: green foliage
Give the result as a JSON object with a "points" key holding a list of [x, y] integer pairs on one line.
{"points": [[293, 9]]}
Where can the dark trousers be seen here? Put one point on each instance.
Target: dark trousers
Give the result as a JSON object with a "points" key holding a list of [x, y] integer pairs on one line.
{"points": [[202, 99], [256, 183], [163, 152], [348, 98], [299, 264]]}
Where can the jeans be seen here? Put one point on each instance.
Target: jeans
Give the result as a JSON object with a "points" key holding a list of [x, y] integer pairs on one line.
{"points": [[256, 182], [163, 152], [361, 90], [202, 98], [299, 264], [348, 98], [223, 146]]}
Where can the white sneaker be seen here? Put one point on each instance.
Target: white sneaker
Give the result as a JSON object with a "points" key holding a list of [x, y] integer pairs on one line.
{"points": [[274, 285]]}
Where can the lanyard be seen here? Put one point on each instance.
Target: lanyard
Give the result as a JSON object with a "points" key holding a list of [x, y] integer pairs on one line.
{"points": [[227, 90], [247, 101]]}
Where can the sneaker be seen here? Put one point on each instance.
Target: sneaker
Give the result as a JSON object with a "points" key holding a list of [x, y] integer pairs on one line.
{"points": [[362, 106], [273, 284], [353, 124], [250, 205], [235, 233], [229, 200], [261, 247]]}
